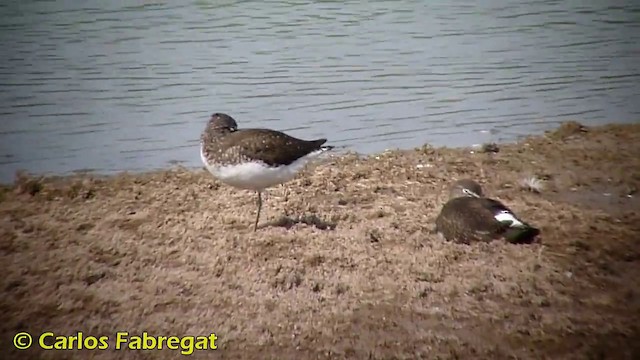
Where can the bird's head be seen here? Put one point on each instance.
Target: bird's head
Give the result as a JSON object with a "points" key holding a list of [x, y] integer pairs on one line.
{"points": [[465, 188], [222, 122]]}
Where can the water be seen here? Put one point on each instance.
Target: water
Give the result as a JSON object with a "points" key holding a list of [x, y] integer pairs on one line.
{"points": [[128, 85]]}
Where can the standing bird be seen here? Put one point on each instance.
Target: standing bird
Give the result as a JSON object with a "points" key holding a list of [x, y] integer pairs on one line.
{"points": [[468, 216], [254, 159]]}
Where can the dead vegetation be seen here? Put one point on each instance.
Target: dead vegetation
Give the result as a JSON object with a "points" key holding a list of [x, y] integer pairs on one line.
{"points": [[345, 264]]}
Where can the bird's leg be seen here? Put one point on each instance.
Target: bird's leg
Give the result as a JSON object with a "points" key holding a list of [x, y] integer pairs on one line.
{"points": [[285, 191], [255, 226]]}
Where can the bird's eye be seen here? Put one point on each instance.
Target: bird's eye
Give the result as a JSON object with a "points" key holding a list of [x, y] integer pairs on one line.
{"points": [[469, 192]]}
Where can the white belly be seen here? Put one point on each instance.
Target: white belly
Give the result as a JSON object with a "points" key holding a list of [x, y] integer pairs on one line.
{"points": [[256, 175]]}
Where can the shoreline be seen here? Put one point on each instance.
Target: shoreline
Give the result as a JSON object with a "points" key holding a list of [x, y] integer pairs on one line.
{"points": [[480, 155], [565, 126], [344, 265]]}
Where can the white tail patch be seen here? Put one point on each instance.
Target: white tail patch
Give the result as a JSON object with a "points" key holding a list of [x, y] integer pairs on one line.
{"points": [[505, 215]]}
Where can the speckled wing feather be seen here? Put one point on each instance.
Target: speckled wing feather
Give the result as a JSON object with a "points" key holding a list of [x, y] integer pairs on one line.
{"points": [[269, 146], [468, 219]]}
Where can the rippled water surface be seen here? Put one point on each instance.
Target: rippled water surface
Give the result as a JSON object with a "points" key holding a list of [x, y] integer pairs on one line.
{"points": [[129, 85]]}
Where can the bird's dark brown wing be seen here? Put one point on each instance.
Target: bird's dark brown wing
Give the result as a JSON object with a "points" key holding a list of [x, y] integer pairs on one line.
{"points": [[269, 146], [522, 233], [468, 219]]}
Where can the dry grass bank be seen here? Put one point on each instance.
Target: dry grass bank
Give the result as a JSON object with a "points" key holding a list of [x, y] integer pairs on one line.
{"points": [[173, 253]]}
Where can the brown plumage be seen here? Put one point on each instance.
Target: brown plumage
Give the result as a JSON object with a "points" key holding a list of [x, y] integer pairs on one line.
{"points": [[225, 144], [469, 217], [253, 159]]}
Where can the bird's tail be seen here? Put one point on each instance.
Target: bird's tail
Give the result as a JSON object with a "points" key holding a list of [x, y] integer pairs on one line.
{"points": [[523, 234], [318, 144]]}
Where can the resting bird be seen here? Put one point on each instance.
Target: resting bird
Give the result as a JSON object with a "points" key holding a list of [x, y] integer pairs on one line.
{"points": [[469, 217], [254, 159]]}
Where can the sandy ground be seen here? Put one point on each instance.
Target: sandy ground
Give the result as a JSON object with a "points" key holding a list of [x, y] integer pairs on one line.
{"points": [[344, 266]]}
